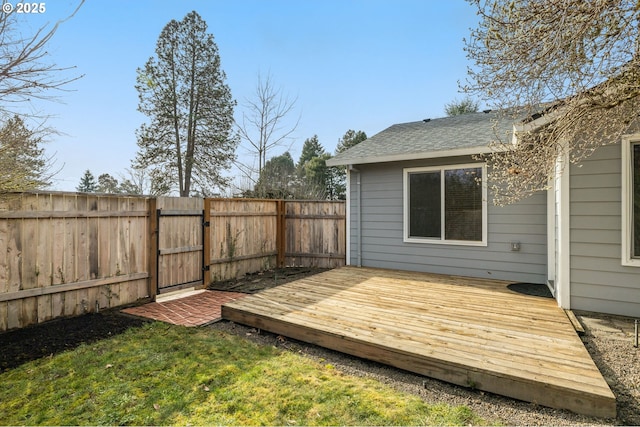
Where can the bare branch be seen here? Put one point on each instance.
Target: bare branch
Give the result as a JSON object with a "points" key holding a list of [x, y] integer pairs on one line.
{"points": [[570, 67], [262, 124], [24, 73]]}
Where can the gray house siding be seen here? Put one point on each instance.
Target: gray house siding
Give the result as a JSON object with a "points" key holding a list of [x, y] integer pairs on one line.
{"points": [[599, 281], [381, 200]]}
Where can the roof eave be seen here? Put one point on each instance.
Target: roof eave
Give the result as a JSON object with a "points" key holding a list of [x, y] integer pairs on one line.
{"points": [[409, 156]]}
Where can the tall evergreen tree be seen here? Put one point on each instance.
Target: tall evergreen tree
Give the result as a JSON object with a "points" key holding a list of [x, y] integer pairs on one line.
{"points": [[350, 139], [189, 140], [317, 177], [88, 183], [23, 165], [310, 149], [338, 174], [278, 178], [312, 170]]}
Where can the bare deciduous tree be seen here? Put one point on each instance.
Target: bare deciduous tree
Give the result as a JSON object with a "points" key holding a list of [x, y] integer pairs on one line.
{"points": [[25, 73], [567, 70], [263, 124], [143, 181]]}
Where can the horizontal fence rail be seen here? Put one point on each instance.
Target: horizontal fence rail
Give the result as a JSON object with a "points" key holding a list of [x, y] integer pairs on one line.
{"points": [[66, 254], [69, 254]]}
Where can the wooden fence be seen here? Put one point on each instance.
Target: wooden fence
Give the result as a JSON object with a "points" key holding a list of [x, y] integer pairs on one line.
{"points": [[65, 254], [243, 237], [69, 254], [249, 235], [315, 233]]}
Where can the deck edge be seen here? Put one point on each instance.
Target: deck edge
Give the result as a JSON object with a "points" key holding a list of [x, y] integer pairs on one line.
{"points": [[591, 404]]}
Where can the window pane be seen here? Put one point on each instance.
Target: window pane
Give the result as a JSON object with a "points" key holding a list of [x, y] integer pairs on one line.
{"points": [[635, 154], [424, 204], [463, 204]]}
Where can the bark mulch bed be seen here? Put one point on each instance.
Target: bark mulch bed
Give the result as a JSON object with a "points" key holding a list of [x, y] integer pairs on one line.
{"points": [[256, 282], [47, 339]]}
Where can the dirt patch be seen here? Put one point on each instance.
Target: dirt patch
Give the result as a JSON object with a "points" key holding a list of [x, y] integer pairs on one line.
{"points": [[50, 338], [256, 282]]}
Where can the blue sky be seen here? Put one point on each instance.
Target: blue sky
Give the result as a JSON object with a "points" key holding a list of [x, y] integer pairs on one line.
{"points": [[351, 64]]}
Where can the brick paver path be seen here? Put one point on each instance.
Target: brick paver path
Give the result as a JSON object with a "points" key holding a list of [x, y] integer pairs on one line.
{"points": [[194, 310]]}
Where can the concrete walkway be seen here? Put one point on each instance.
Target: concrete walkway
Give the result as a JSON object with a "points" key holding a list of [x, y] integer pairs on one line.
{"points": [[191, 308]]}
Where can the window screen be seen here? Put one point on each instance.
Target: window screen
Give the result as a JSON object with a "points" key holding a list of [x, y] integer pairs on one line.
{"points": [[463, 204]]}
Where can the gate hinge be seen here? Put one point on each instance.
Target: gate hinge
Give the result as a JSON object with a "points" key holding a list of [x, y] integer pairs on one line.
{"points": [[206, 223], [205, 268]]}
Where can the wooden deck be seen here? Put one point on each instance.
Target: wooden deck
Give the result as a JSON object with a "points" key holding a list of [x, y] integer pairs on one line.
{"points": [[472, 332]]}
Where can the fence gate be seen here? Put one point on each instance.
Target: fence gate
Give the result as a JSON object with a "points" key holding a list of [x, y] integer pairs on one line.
{"points": [[180, 248]]}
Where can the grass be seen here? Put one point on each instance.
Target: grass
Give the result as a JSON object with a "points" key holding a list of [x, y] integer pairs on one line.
{"points": [[168, 375]]}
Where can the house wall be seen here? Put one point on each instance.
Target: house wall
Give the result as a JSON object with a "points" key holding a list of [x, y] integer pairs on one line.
{"points": [[382, 228], [599, 281]]}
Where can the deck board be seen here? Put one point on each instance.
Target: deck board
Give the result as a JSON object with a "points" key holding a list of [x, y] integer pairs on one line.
{"points": [[471, 332]]}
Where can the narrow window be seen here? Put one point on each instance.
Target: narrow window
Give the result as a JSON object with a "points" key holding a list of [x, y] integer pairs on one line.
{"points": [[635, 202], [631, 200], [424, 207], [463, 204]]}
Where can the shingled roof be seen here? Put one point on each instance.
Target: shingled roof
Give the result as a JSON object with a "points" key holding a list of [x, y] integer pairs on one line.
{"points": [[444, 137]]}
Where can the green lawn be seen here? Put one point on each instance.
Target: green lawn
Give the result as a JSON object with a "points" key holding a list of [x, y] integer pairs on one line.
{"points": [[167, 375]]}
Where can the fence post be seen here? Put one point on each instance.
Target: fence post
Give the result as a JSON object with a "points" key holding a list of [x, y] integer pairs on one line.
{"points": [[152, 248], [206, 243], [281, 233]]}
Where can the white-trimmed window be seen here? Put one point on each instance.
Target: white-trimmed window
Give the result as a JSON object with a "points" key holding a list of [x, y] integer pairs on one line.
{"points": [[446, 204], [631, 200]]}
